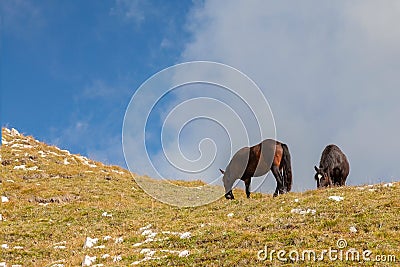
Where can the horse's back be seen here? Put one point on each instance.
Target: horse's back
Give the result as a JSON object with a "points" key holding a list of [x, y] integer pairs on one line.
{"points": [[253, 161], [268, 147], [333, 157]]}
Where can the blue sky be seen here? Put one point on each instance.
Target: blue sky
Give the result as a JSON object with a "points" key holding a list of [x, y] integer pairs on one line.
{"points": [[69, 68], [329, 69]]}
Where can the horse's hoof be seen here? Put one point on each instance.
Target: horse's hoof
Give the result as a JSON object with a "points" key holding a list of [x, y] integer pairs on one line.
{"points": [[275, 195], [229, 196]]}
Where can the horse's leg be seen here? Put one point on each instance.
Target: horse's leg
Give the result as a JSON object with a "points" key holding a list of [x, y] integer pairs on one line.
{"points": [[247, 182], [337, 177], [276, 193], [342, 180], [279, 181]]}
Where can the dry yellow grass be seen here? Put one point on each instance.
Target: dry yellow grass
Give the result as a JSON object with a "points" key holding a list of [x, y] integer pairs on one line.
{"points": [[54, 208]]}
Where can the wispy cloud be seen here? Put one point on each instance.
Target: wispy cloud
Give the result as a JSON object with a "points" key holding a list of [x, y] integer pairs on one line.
{"points": [[132, 10], [101, 89]]}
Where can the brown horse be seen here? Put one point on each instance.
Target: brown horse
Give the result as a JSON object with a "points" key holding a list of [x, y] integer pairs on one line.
{"points": [[256, 161]]}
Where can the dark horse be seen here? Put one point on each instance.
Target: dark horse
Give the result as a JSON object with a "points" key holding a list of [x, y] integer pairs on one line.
{"points": [[256, 161], [333, 168]]}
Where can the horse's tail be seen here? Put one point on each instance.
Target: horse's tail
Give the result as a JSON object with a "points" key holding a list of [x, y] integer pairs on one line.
{"points": [[287, 167]]}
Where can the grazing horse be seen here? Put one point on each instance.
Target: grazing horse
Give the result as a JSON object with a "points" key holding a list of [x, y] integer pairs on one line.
{"points": [[333, 168], [256, 161]]}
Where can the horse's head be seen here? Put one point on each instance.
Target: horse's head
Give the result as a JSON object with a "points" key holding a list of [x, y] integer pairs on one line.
{"points": [[322, 178], [228, 194]]}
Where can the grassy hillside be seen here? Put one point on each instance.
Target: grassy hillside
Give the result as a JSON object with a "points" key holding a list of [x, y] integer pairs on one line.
{"points": [[54, 203]]}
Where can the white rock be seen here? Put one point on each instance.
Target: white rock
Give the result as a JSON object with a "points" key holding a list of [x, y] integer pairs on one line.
{"points": [[107, 238], [34, 168], [106, 214], [85, 161], [18, 247], [117, 258], [88, 261], [119, 240], [336, 198], [105, 256], [119, 172], [145, 227], [169, 251], [65, 151], [145, 251], [20, 167], [152, 235], [148, 252], [313, 212], [54, 153], [296, 200], [59, 247], [14, 132], [137, 244], [90, 242], [147, 232], [148, 240], [184, 253], [3, 264], [21, 146], [353, 229], [303, 212], [4, 246], [186, 235], [230, 215], [297, 210], [4, 199], [1, 217], [388, 185], [60, 243]]}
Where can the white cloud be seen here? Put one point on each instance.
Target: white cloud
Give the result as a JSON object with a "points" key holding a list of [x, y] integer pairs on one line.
{"points": [[329, 70], [131, 10]]}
